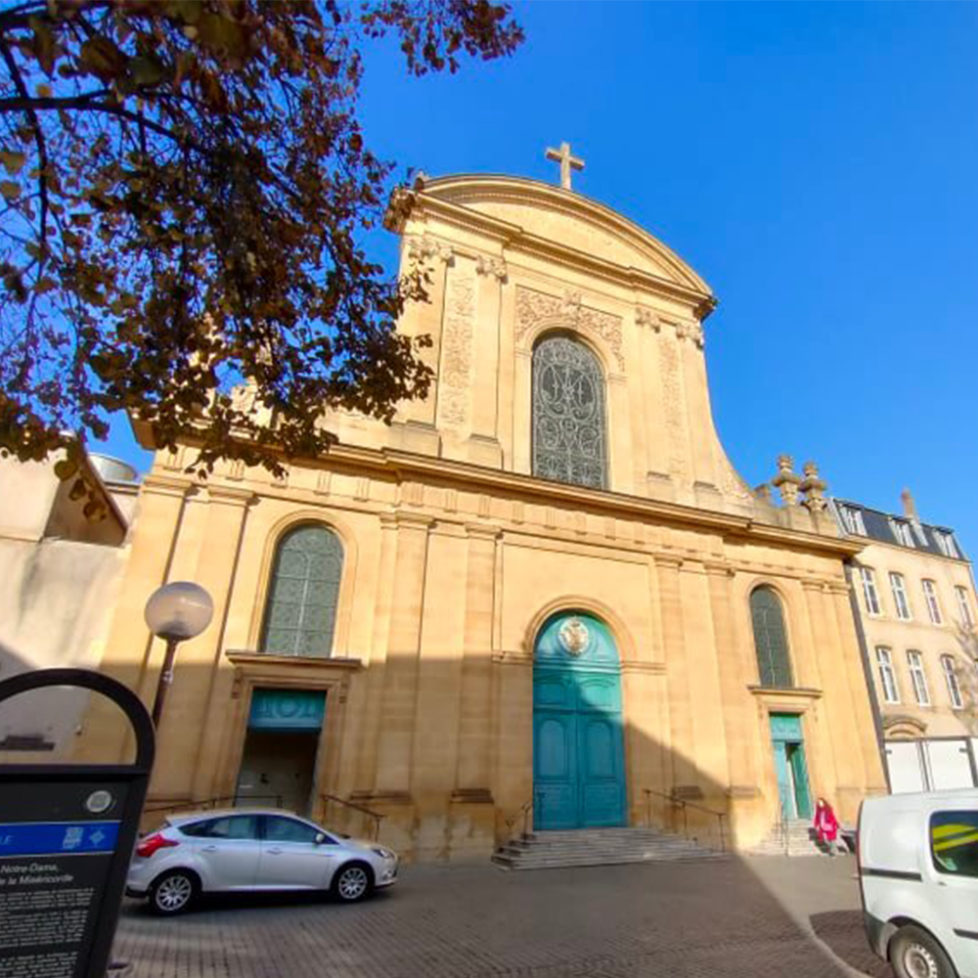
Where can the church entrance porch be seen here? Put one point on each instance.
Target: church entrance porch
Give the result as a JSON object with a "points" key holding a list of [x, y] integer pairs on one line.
{"points": [[790, 767], [578, 743], [279, 759]]}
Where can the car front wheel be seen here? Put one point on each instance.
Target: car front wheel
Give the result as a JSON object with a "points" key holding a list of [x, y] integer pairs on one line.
{"points": [[353, 882], [915, 954], [173, 892]]}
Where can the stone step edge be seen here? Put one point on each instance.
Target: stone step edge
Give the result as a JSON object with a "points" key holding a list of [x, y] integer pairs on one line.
{"points": [[520, 865]]}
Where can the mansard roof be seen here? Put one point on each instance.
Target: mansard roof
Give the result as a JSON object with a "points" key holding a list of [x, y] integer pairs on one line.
{"points": [[880, 526]]}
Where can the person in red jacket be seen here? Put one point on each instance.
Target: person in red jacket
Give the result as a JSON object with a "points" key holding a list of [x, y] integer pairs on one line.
{"points": [[827, 828]]}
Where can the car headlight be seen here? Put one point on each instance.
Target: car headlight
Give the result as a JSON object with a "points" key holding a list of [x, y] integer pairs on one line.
{"points": [[384, 853]]}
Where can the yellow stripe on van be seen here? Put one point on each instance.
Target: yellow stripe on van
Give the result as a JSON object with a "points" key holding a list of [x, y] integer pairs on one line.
{"points": [[943, 831], [957, 841]]}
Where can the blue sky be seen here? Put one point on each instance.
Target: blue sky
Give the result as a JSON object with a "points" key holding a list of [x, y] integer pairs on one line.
{"points": [[816, 163]]}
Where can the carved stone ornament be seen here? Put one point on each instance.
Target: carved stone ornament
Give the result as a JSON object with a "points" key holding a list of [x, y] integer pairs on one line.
{"points": [[495, 267], [813, 487], [787, 481], [646, 317], [535, 308], [456, 372], [574, 636], [425, 248]]}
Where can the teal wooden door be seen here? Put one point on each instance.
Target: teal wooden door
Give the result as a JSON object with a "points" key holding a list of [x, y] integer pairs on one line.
{"points": [[578, 745], [784, 780], [789, 765]]}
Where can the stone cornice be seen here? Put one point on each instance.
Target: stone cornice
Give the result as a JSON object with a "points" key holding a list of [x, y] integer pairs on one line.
{"points": [[516, 238], [166, 485], [230, 495], [789, 692], [397, 465], [253, 661]]}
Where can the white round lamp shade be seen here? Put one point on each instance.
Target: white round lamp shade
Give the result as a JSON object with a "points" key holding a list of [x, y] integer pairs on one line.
{"points": [[179, 610]]}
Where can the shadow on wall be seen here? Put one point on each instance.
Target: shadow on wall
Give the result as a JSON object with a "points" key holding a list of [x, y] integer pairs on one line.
{"points": [[453, 753], [42, 726], [718, 913], [966, 663]]}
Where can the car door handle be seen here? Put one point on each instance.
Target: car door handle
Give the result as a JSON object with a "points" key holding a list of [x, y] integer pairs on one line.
{"points": [[274, 850], [209, 849]]}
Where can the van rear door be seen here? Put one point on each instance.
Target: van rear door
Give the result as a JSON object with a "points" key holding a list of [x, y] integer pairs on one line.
{"points": [[952, 835]]}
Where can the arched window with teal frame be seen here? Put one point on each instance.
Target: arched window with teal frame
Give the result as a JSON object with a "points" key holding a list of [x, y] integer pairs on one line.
{"points": [[770, 638], [300, 612]]}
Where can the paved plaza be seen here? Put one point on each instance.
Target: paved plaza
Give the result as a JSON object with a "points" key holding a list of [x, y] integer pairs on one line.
{"points": [[756, 917]]}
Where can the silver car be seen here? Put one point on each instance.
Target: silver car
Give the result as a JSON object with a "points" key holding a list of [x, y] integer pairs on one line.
{"points": [[252, 850]]}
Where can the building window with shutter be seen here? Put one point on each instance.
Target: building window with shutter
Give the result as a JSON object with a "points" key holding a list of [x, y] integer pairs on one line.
{"points": [[918, 677], [900, 599], [770, 639], [300, 613], [888, 683], [933, 605], [951, 678]]}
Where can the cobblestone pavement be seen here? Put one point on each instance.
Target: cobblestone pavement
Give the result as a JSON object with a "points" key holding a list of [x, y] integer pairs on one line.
{"points": [[756, 918]]}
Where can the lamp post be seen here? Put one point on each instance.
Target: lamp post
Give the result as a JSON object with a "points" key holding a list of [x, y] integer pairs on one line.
{"points": [[175, 612]]}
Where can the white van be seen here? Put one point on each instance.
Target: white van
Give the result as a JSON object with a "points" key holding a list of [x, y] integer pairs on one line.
{"points": [[918, 874]]}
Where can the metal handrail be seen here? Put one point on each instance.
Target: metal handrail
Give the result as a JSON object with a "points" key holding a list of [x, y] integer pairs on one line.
{"points": [[523, 813], [370, 813], [206, 803], [683, 804]]}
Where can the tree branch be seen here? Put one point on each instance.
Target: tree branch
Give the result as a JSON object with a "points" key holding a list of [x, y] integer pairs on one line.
{"points": [[42, 150]]}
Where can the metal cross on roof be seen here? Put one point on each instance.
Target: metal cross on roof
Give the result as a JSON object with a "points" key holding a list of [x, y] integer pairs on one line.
{"points": [[567, 163]]}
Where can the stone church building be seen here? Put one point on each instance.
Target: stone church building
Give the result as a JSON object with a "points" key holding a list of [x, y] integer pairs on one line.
{"points": [[543, 593]]}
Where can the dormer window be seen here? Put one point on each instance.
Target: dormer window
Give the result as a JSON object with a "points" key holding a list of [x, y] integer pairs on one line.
{"points": [[853, 520], [903, 533], [946, 544]]}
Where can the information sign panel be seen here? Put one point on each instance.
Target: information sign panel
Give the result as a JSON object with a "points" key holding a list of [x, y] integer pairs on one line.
{"points": [[66, 836]]}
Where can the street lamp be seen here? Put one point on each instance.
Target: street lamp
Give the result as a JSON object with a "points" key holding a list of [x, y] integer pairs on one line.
{"points": [[175, 612]]}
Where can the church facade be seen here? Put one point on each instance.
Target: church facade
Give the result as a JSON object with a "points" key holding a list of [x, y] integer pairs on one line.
{"points": [[541, 597]]}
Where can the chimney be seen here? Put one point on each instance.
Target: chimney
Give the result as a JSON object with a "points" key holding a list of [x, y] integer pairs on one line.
{"points": [[909, 508]]}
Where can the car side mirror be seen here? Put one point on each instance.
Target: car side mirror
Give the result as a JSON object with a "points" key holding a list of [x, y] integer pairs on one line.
{"points": [[319, 840]]}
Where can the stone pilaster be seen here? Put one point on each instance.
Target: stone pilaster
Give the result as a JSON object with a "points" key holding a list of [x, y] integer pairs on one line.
{"points": [[391, 794], [372, 718], [422, 318], [842, 732], [130, 650], [483, 443], [681, 735], [202, 683]]}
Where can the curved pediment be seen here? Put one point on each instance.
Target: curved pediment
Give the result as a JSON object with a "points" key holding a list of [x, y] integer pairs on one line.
{"points": [[567, 219]]}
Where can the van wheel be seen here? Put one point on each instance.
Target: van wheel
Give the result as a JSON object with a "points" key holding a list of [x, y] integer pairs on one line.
{"points": [[173, 892], [915, 954]]}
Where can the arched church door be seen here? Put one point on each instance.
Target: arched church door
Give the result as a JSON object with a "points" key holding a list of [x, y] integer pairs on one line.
{"points": [[578, 744]]}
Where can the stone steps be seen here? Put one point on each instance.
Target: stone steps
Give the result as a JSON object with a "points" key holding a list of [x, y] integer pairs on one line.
{"points": [[800, 841], [597, 847]]}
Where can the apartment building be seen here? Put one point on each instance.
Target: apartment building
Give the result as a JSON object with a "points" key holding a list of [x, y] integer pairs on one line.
{"points": [[915, 593]]}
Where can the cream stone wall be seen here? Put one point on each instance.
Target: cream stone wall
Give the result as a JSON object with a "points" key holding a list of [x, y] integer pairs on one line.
{"points": [[59, 577], [429, 687], [952, 637], [455, 555]]}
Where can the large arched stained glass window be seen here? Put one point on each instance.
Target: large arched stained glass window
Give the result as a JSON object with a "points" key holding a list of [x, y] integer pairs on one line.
{"points": [[770, 638], [301, 610], [568, 413]]}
